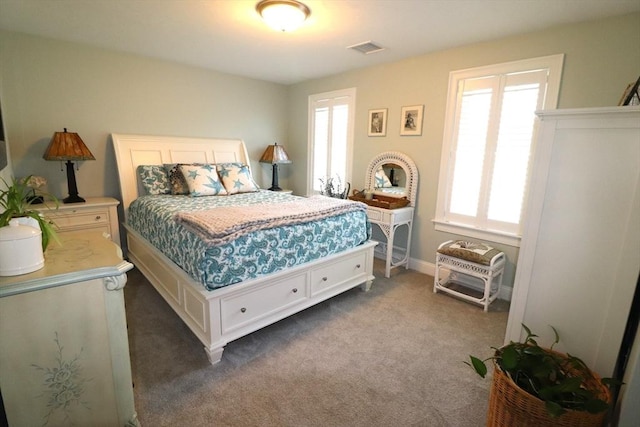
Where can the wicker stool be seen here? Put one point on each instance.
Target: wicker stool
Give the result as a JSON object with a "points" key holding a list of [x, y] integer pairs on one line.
{"points": [[459, 261]]}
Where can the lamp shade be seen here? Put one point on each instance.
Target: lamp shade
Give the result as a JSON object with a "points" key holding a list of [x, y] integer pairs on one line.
{"points": [[67, 146], [275, 154], [283, 15]]}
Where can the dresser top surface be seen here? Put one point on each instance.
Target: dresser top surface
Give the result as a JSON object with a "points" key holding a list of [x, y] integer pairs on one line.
{"points": [[80, 255]]}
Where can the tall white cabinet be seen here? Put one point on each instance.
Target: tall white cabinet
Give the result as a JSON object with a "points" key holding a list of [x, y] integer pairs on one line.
{"points": [[579, 258]]}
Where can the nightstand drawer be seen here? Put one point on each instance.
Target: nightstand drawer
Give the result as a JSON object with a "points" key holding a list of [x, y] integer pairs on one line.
{"points": [[79, 219]]}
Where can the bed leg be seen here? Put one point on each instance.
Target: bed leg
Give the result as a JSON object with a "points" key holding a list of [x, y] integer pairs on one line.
{"points": [[214, 355], [366, 286]]}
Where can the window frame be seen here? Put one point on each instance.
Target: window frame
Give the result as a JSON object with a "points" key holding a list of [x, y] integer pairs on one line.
{"points": [[313, 100], [554, 65]]}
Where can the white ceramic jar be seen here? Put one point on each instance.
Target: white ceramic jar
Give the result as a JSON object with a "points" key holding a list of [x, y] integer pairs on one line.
{"points": [[20, 247]]}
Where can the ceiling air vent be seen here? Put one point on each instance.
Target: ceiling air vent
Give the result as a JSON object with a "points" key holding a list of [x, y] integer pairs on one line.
{"points": [[366, 47]]}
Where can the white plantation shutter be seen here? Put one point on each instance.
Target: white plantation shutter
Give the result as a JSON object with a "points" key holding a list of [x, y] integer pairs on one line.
{"points": [[339, 136], [487, 153], [321, 145], [473, 123], [511, 165], [330, 137]]}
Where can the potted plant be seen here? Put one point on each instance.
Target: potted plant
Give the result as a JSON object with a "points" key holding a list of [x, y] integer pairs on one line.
{"points": [[333, 188], [538, 386], [15, 202]]}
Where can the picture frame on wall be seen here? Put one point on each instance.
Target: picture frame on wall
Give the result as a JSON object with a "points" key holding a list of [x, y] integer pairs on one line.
{"points": [[377, 122], [631, 95], [411, 120]]}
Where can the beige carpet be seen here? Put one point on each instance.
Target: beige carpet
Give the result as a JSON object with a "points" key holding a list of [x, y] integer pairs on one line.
{"points": [[388, 357]]}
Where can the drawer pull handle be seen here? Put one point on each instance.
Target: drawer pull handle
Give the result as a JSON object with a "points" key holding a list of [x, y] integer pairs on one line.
{"points": [[243, 309], [98, 217], [295, 290], [357, 265], [324, 279]]}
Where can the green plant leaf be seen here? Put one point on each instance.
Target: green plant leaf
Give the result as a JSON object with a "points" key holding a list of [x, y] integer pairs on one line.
{"points": [[479, 366], [557, 339], [612, 382], [509, 357], [569, 385], [595, 406], [554, 409]]}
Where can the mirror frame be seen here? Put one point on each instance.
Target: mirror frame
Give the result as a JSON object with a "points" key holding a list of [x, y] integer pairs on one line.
{"points": [[400, 159]]}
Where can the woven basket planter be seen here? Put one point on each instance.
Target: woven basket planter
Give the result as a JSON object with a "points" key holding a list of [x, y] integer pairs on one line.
{"points": [[510, 406]]}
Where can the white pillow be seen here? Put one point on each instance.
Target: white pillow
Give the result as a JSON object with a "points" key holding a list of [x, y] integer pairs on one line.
{"points": [[202, 180], [382, 181], [236, 178]]}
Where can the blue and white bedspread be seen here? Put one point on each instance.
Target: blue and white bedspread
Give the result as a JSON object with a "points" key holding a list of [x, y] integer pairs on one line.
{"points": [[250, 255]]}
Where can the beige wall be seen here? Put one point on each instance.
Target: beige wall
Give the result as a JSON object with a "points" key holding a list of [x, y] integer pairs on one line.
{"points": [[47, 85], [601, 58]]}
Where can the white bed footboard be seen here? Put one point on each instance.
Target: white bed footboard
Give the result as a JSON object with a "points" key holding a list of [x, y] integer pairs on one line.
{"points": [[223, 315]]}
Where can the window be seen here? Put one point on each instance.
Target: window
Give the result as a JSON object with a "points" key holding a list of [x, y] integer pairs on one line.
{"points": [[331, 117], [489, 136]]}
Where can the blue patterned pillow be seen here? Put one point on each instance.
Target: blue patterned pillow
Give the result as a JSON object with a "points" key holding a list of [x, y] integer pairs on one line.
{"points": [[154, 179], [202, 180], [236, 178]]}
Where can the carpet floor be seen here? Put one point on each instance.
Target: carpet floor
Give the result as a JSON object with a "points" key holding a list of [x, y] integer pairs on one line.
{"points": [[392, 356]]}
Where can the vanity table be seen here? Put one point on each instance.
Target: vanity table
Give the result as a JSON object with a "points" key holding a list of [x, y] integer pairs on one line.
{"points": [[404, 183]]}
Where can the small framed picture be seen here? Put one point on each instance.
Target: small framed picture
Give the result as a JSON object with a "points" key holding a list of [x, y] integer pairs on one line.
{"points": [[378, 122], [631, 95], [411, 120]]}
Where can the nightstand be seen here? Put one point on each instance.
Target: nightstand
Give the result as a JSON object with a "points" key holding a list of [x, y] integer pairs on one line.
{"points": [[96, 214]]}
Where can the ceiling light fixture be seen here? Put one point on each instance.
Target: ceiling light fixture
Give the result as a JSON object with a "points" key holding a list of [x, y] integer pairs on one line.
{"points": [[283, 15]]}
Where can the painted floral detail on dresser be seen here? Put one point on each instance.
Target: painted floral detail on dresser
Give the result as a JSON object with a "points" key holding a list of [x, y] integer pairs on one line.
{"points": [[63, 386]]}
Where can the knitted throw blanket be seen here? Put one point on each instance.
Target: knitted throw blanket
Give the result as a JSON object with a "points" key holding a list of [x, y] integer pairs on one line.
{"points": [[224, 224]]}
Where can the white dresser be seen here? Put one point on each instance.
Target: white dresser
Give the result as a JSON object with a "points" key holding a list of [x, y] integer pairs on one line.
{"points": [[64, 353]]}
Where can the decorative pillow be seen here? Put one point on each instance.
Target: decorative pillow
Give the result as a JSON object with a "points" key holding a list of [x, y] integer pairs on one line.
{"points": [[382, 181], [470, 251], [177, 182], [237, 178], [154, 179], [202, 180]]}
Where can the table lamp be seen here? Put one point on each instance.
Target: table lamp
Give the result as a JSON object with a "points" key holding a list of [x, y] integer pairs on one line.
{"points": [[68, 146], [275, 155]]}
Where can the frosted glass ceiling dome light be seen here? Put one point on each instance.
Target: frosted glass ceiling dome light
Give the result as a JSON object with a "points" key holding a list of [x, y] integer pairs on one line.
{"points": [[283, 15]]}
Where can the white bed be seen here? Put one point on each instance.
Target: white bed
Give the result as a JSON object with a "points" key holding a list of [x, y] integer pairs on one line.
{"points": [[219, 316]]}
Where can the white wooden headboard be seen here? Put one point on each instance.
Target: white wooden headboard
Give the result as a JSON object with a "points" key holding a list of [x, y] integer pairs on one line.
{"points": [[134, 150]]}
